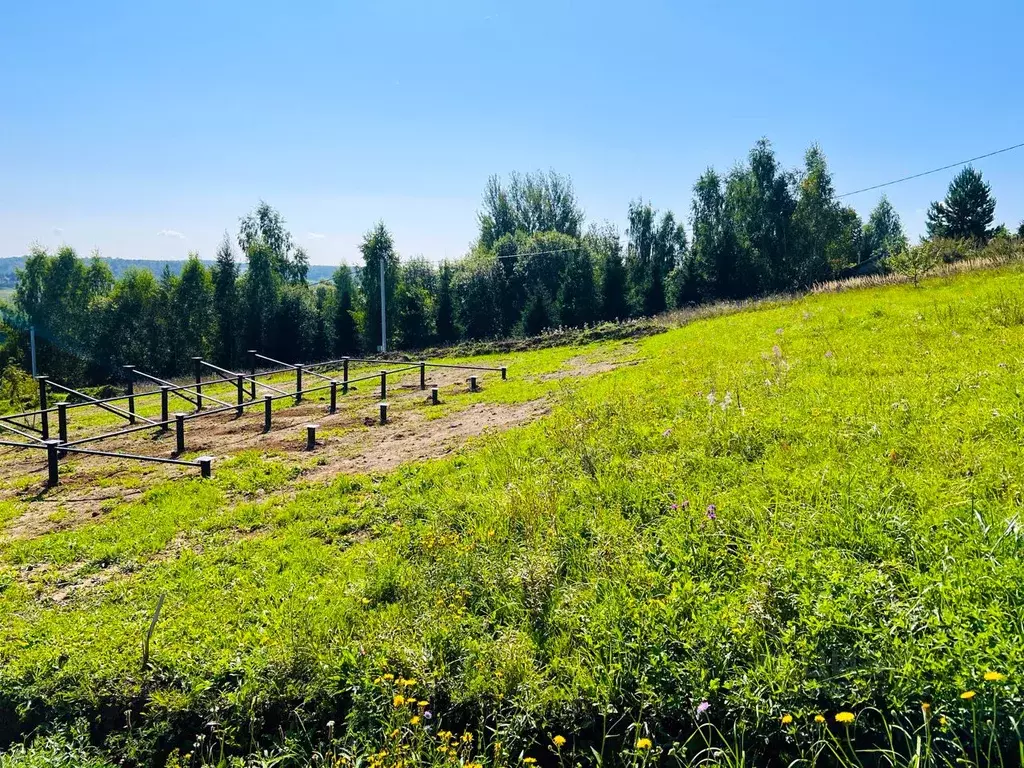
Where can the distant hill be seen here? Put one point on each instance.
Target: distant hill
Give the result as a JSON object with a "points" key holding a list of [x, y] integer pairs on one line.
{"points": [[9, 279]]}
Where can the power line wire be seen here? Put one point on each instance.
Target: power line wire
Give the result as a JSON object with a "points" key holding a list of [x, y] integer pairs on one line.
{"points": [[933, 170]]}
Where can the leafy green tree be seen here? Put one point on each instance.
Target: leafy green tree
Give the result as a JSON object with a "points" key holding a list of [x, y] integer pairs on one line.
{"points": [[130, 331], [968, 210], [265, 224], [883, 234], [529, 203], [915, 261], [378, 247], [478, 284], [61, 297], [346, 332], [447, 332], [226, 305], [1020, 231]]}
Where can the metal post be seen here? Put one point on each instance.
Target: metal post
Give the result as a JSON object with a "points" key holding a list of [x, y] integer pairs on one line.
{"points": [[383, 312], [130, 373], [383, 385], [252, 370], [383, 413], [62, 424], [268, 405], [472, 383], [163, 406], [311, 436], [179, 433], [423, 375], [205, 469], [334, 396], [199, 382], [344, 368], [298, 384], [433, 396], [51, 463], [503, 372], [240, 385], [32, 347], [45, 417]]}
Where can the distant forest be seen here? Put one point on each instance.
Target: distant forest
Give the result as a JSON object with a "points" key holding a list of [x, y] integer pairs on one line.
{"points": [[10, 265], [536, 263]]}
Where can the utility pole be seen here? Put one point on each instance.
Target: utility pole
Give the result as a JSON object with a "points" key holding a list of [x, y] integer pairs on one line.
{"points": [[383, 311], [32, 344]]}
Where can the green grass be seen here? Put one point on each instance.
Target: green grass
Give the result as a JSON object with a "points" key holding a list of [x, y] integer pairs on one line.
{"points": [[863, 454]]}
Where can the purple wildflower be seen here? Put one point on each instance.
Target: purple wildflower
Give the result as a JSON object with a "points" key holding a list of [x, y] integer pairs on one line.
{"points": [[667, 432], [702, 708], [427, 715], [673, 506], [712, 509]]}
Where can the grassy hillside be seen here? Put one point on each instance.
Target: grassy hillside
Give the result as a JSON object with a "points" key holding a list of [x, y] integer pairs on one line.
{"points": [[727, 536]]}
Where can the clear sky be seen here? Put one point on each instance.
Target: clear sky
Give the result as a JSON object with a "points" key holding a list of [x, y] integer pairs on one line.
{"points": [[146, 129]]}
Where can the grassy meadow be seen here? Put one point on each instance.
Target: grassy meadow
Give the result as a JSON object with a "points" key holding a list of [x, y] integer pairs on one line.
{"points": [[788, 533]]}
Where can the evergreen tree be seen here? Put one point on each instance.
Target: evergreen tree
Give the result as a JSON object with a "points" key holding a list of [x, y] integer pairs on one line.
{"points": [[445, 309], [415, 296], [761, 203], [377, 247], [226, 305], [604, 243], [825, 243], [968, 210], [715, 249], [346, 332], [261, 291], [193, 305], [537, 315]]}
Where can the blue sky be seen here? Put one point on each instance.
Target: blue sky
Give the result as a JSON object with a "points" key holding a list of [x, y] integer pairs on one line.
{"points": [[145, 130]]}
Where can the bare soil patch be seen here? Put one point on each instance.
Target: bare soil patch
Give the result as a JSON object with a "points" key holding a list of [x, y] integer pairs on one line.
{"points": [[349, 441]]}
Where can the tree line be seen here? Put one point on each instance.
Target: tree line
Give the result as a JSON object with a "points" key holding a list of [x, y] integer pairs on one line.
{"points": [[757, 229]]}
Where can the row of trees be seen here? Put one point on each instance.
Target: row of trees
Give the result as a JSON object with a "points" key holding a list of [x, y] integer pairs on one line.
{"points": [[757, 229]]}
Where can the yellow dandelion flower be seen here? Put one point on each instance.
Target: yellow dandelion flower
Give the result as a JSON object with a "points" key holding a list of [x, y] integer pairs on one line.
{"points": [[421, 703], [644, 744], [389, 676], [415, 720], [467, 738], [559, 741], [787, 719], [845, 717], [967, 695], [994, 677], [529, 760], [925, 706], [819, 718], [399, 700], [943, 721]]}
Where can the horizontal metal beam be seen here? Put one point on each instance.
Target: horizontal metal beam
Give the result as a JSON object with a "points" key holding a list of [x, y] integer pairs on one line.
{"points": [[93, 401]]}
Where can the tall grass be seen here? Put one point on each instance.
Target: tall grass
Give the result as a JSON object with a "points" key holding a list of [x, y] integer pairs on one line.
{"points": [[774, 518]]}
